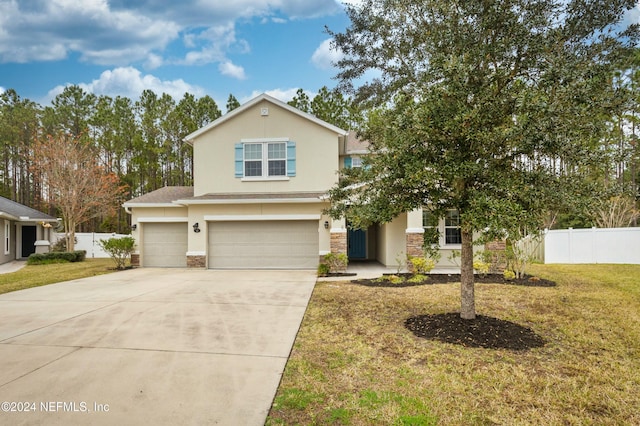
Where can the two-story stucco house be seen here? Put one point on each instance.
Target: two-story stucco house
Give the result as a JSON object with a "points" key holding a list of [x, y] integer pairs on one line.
{"points": [[24, 231], [261, 173]]}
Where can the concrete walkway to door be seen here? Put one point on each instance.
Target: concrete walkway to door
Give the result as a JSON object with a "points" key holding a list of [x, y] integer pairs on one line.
{"points": [[149, 346]]}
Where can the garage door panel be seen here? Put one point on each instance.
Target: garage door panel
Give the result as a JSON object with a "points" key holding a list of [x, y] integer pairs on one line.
{"points": [[263, 244], [165, 245]]}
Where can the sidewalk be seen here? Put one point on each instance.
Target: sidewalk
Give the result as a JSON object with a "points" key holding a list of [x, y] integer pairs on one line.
{"points": [[13, 266]]}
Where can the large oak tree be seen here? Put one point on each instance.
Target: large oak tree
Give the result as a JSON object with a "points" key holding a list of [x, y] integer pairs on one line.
{"points": [[491, 107]]}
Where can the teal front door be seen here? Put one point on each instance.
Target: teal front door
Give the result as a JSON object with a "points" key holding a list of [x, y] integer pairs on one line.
{"points": [[357, 244]]}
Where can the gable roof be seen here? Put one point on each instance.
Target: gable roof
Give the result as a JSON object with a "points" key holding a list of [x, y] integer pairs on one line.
{"points": [[16, 211], [263, 97]]}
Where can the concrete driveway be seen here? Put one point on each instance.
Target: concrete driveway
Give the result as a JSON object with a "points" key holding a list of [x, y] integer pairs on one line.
{"points": [[149, 346]]}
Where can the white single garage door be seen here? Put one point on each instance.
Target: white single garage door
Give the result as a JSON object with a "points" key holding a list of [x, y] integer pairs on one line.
{"points": [[290, 244], [164, 245]]}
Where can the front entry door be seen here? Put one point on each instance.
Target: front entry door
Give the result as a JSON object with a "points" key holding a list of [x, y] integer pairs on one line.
{"points": [[28, 240], [357, 241]]}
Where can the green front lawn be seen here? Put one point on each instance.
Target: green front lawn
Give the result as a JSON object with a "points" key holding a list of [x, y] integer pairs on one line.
{"points": [[354, 362], [37, 275]]}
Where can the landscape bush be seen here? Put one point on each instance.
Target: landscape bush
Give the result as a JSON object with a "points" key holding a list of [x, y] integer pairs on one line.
{"points": [[119, 249], [421, 265], [337, 262], [56, 257]]}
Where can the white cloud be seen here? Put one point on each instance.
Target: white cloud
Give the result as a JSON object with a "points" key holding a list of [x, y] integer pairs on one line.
{"points": [[53, 29], [325, 56], [231, 70], [130, 82], [153, 61], [632, 16], [114, 32], [215, 42]]}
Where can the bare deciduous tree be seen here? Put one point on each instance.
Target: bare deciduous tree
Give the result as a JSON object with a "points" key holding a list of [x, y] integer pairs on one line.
{"points": [[74, 181]]}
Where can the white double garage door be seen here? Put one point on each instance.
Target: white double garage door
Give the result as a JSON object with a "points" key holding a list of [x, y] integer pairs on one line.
{"points": [[268, 244]]}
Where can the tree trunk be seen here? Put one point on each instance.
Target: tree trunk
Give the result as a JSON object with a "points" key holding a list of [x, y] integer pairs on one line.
{"points": [[467, 296]]}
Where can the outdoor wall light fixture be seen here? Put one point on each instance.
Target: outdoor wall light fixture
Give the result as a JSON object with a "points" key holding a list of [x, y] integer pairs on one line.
{"points": [[196, 227], [326, 224], [134, 226]]}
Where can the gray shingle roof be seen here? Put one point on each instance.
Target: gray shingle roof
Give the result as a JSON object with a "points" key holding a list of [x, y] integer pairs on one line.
{"points": [[169, 194], [259, 196], [164, 195], [19, 211]]}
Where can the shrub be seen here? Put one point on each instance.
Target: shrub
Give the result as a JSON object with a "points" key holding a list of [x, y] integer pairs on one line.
{"points": [[481, 267], [395, 279], [421, 265], [56, 257], [119, 249], [417, 279], [337, 262], [508, 274], [323, 270]]}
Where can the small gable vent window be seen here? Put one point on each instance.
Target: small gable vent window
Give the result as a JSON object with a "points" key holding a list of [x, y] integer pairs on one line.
{"points": [[263, 160]]}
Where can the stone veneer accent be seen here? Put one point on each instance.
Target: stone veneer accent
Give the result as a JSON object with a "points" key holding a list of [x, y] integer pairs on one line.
{"points": [[414, 247], [196, 261], [495, 245], [135, 259], [498, 255], [338, 242]]}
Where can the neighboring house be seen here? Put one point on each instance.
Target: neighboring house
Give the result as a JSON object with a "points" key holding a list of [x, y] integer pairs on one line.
{"points": [[261, 173], [24, 231]]}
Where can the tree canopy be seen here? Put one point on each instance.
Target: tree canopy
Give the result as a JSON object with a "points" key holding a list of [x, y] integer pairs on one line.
{"points": [[495, 108]]}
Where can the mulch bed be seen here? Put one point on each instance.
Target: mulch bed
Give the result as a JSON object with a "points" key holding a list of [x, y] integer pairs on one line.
{"points": [[528, 280], [482, 332]]}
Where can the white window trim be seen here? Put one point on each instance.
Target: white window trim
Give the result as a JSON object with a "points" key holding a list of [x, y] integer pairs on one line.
{"points": [[442, 239], [7, 237], [356, 162], [262, 179], [264, 161]]}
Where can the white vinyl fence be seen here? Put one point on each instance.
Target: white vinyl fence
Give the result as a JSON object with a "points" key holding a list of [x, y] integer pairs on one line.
{"points": [[595, 245], [89, 242]]}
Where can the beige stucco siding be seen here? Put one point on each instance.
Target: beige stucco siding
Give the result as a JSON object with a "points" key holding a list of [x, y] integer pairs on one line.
{"points": [[316, 153], [392, 242]]}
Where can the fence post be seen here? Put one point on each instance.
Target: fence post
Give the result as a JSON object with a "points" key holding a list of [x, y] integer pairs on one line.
{"points": [[594, 247]]}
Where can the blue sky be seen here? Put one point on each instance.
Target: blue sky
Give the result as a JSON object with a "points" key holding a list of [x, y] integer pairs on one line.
{"points": [[205, 47]]}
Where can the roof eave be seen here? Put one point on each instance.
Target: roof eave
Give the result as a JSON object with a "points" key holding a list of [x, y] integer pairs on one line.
{"points": [[152, 205], [252, 201], [189, 139]]}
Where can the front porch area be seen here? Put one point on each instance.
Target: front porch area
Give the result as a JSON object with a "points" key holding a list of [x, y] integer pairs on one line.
{"points": [[368, 269]]}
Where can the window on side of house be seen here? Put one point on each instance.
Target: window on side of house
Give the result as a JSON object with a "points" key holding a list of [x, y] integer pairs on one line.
{"points": [[445, 231], [265, 159], [430, 224], [452, 234], [7, 237], [253, 159]]}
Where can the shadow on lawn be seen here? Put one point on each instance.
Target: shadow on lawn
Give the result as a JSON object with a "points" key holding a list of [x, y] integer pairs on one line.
{"points": [[483, 332]]}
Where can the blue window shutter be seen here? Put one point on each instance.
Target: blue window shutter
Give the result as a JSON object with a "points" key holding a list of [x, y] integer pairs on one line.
{"points": [[239, 160], [291, 158], [347, 162]]}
